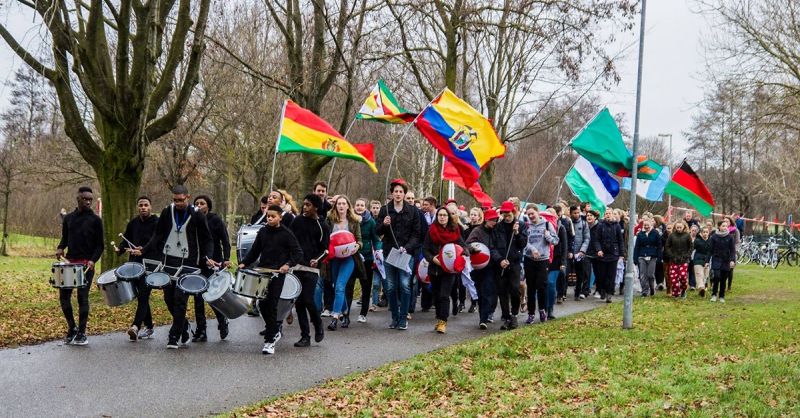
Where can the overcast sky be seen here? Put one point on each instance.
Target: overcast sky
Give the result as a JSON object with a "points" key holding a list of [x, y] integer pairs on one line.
{"points": [[673, 63]]}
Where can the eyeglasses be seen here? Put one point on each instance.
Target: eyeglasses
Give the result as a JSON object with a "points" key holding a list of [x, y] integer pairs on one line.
{"points": [[179, 200]]}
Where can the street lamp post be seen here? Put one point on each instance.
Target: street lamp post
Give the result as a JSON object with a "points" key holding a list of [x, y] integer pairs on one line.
{"points": [[669, 163]]}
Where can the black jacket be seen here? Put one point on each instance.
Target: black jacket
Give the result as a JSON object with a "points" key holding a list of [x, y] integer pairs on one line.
{"points": [[82, 235], [139, 232], [723, 251], [647, 245], [430, 250], [607, 237], [560, 250], [261, 218], [487, 237], [276, 247], [219, 238], [197, 234], [566, 222], [702, 251], [679, 247], [502, 232], [405, 228], [313, 235]]}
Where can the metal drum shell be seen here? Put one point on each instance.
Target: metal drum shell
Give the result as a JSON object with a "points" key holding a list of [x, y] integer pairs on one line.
{"points": [[245, 238], [220, 295], [291, 291], [130, 271], [67, 276], [115, 292], [251, 284]]}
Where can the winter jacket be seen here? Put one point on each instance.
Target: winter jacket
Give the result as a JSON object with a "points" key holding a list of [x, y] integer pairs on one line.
{"points": [[581, 241], [702, 251], [537, 240], [503, 231], [368, 236], [430, 250], [609, 239], [679, 247], [486, 237], [82, 236], [274, 247], [569, 229], [723, 250], [647, 245], [220, 242], [313, 235], [560, 250], [591, 251], [405, 228]]}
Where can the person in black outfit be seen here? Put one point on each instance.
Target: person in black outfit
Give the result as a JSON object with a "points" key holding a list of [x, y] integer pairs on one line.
{"points": [[260, 217], [222, 257], [313, 237], [609, 247], [278, 249], [511, 238], [139, 232], [82, 236], [445, 230], [321, 190], [182, 236]]}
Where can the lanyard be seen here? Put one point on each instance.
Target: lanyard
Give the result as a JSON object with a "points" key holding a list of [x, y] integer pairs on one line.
{"points": [[180, 220]]}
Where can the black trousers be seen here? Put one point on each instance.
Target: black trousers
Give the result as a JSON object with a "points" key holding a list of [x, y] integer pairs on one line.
{"points": [[582, 275], [536, 281], [305, 305], [508, 289], [561, 284], [269, 307], [65, 300], [143, 316], [426, 299], [718, 282], [442, 288], [487, 295], [659, 273], [605, 272]]}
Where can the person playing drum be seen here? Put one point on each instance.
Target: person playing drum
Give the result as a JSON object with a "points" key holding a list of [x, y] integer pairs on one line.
{"points": [[183, 237], [82, 237], [222, 255], [278, 249], [139, 231]]}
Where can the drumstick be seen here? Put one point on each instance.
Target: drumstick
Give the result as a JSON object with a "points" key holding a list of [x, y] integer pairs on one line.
{"points": [[126, 240], [324, 253], [114, 246]]}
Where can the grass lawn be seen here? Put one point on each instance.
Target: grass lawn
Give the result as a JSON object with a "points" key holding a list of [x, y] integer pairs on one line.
{"points": [[692, 358], [31, 246]]}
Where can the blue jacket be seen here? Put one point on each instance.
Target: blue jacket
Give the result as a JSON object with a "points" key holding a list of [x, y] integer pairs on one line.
{"points": [[647, 245]]}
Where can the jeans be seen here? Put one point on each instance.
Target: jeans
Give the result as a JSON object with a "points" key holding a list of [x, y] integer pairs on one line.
{"points": [[536, 280], [318, 291], [508, 290], [378, 283], [269, 307], [65, 299], [305, 305], [398, 292], [341, 269], [442, 286], [647, 275], [484, 284], [550, 299]]}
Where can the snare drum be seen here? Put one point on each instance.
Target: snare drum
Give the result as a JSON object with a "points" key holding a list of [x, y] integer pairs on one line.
{"points": [[220, 295], [67, 275], [251, 283], [157, 280], [291, 291], [193, 284], [130, 272], [115, 292]]}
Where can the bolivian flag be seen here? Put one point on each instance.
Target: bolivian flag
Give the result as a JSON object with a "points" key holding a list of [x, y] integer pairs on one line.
{"points": [[303, 131], [381, 106]]}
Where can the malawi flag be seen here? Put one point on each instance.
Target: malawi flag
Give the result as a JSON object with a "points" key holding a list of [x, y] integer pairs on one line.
{"points": [[303, 131], [381, 106], [687, 186]]}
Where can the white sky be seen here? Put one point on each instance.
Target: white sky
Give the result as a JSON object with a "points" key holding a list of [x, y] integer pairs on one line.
{"points": [[671, 88]]}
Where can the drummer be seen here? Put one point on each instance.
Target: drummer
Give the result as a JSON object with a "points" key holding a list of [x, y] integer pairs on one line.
{"points": [[222, 256], [278, 249], [82, 237], [260, 217], [139, 231], [183, 237]]}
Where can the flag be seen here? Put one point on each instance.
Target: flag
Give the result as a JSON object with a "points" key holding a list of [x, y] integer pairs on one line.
{"points": [[461, 134], [652, 190], [449, 172], [381, 106], [687, 186], [303, 131], [600, 142], [591, 183]]}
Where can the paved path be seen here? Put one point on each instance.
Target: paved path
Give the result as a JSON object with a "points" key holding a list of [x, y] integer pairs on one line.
{"points": [[114, 377]]}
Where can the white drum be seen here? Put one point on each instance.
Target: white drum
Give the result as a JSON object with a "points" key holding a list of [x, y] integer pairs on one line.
{"points": [[251, 283], [67, 275], [220, 295], [115, 292]]}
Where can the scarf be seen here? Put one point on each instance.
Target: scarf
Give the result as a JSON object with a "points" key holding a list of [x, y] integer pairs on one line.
{"points": [[441, 235], [723, 234]]}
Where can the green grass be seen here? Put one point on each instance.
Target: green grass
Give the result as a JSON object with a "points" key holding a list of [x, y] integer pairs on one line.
{"points": [[29, 245], [692, 358]]}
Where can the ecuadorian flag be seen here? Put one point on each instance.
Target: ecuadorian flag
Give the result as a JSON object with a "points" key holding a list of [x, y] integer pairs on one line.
{"points": [[303, 131], [461, 134]]}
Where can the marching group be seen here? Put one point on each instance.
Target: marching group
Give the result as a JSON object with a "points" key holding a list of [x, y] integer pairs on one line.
{"points": [[533, 256]]}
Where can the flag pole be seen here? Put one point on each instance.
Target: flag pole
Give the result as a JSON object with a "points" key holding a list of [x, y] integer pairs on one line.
{"points": [[333, 164], [627, 311], [528, 198], [277, 145]]}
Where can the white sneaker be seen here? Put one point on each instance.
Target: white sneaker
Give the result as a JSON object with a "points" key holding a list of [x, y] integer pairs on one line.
{"points": [[362, 318], [721, 300], [269, 348], [581, 296], [133, 333], [325, 313], [597, 296], [146, 334], [713, 298]]}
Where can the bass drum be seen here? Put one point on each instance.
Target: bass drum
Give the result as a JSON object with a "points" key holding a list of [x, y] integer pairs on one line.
{"points": [[291, 291], [245, 239], [115, 292], [220, 295]]}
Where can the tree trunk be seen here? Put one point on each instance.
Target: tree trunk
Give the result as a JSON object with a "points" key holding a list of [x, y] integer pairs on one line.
{"points": [[120, 179], [6, 200], [312, 165]]}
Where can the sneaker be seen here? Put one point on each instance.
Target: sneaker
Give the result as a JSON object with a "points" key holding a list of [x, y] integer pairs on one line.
{"points": [[185, 335], [683, 296], [721, 300], [70, 337], [362, 319], [644, 294], [408, 317], [319, 334], [303, 342], [441, 326], [133, 333], [559, 301], [199, 336], [530, 319], [483, 325], [597, 296], [506, 324], [334, 324], [661, 287], [172, 344], [512, 324], [455, 310], [581, 296], [223, 328], [692, 289], [713, 298], [490, 319], [402, 326], [373, 308], [325, 314], [608, 299], [346, 321], [263, 332], [358, 303], [80, 339], [393, 324], [277, 338], [702, 292], [461, 307], [473, 306], [550, 316], [146, 333], [269, 348], [542, 315]]}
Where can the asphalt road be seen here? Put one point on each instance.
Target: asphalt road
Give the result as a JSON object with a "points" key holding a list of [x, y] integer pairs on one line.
{"points": [[114, 377]]}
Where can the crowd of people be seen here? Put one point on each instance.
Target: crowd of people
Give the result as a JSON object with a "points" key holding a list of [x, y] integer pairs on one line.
{"points": [[535, 255]]}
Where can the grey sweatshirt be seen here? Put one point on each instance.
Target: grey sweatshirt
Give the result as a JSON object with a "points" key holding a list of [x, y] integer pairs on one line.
{"points": [[539, 241]]}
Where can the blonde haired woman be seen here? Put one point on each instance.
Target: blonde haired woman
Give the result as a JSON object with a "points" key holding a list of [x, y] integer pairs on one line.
{"points": [[342, 218]]}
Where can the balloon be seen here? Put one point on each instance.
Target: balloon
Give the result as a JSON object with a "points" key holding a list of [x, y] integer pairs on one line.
{"points": [[343, 244], [479, 255], [451, 258]]}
